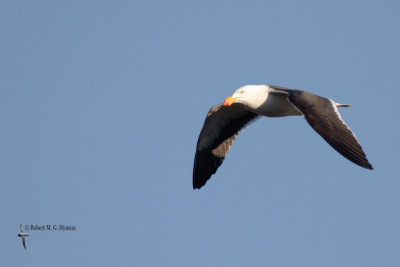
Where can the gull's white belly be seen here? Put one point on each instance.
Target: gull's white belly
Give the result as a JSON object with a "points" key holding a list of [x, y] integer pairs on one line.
{"points": [[277, 106]]}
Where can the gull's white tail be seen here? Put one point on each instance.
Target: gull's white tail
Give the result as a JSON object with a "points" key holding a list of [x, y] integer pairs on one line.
{"points": [[343, 105]]}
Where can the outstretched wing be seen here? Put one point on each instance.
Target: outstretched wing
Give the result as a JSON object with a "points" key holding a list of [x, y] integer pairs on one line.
{"points": [[23, 242], [221, 127], [323, 116]]}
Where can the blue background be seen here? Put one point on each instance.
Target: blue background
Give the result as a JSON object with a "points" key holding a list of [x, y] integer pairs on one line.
{"points": [[101, 104]]}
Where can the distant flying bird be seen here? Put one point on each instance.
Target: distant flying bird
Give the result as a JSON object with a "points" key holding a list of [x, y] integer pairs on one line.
{"points": [[224, 122], [22, 235]]}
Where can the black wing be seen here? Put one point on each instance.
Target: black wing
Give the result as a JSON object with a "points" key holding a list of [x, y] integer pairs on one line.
{"points": [[323, 116], [23, 242], [219, 131]]}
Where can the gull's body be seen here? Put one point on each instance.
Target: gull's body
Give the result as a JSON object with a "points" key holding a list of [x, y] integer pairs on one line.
{"points": [[224, 121], [22, 235]]}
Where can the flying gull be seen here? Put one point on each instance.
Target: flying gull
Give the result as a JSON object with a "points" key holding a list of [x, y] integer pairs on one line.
{"points": [[22, 235], [224, 122]]}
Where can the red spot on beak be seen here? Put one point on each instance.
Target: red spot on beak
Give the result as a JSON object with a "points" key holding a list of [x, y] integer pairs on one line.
{"points": [[229, 101]]}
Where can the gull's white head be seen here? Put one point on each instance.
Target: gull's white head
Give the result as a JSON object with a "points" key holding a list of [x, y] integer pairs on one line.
{"points": [[249, 95]]}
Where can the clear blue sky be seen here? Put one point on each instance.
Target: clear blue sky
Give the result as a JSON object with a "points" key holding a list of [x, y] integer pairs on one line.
{"points": [[101, 104]]}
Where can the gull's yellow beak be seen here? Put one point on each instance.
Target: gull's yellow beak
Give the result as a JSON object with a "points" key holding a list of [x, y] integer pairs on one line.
{"points": [[229, 101]]}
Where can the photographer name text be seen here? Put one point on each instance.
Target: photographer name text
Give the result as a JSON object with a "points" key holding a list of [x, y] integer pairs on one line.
{"points": [[50, 227]]}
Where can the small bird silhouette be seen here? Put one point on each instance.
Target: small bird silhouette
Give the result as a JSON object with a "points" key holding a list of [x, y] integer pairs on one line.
{"points": [[22, 235]]}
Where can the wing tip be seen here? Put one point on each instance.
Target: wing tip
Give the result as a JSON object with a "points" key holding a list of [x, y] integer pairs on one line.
{"points": [[197, 185], [199, 180], [369, 167], [365, 164]]}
